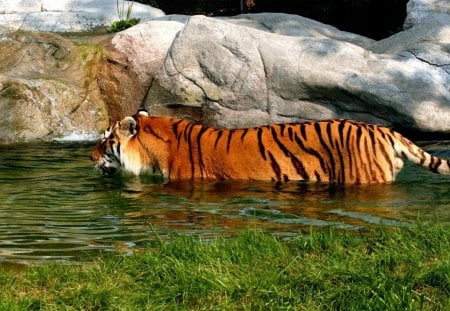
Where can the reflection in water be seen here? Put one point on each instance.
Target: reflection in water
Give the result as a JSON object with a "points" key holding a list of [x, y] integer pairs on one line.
{"points": [[54, 206]]}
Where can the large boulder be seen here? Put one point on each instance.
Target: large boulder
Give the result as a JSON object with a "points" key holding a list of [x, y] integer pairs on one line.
{"points": [[233, 76], [146, 45]]}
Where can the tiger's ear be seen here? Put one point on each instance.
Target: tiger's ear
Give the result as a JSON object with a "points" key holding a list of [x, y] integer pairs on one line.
{"points": [[142, 112], [128, 127]]}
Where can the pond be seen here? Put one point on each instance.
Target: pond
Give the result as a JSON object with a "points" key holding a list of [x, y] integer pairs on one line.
{"points": [[55, 207]]}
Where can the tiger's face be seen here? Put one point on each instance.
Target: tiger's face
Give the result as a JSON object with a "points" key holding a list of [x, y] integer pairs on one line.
{"points": [[107, 154]]}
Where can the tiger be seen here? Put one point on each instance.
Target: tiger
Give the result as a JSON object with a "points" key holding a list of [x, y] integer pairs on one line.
{"points": [[336, 151]]}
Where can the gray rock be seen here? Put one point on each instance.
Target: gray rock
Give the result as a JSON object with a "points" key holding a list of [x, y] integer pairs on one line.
{"points": [[146, 45], [298, 26], [235, 76], [420, 10], [429, 41]]}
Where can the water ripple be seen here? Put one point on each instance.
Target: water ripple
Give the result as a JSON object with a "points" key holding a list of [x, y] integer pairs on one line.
{"points": [[55, 207]]}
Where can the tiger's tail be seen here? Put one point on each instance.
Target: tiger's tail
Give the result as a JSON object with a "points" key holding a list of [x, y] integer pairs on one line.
{"points": [[407, 149]]}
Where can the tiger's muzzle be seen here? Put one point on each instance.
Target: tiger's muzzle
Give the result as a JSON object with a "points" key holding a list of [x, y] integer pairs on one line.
{"points": [[106, 164]]}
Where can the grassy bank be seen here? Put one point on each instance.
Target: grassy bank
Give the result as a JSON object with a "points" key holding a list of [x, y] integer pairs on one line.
{"points": [[381, 269]]}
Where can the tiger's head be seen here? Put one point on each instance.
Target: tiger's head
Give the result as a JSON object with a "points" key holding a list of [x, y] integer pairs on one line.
{"points": [[109, 155]]}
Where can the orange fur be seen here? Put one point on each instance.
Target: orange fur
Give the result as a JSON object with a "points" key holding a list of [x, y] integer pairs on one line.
{"points": [[338, 151]]}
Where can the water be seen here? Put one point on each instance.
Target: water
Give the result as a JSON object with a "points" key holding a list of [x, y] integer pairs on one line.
{"points": [[55, 207]]}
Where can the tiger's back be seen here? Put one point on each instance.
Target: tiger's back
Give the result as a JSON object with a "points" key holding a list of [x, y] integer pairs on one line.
{"points": [[338, 151], [328, 151]]}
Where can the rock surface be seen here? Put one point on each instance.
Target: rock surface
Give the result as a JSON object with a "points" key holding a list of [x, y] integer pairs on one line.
{"points": [[52, 87], [429, 41], [68, 15], [233, 76], [146, 46], [296, 26], [47, 88], [420, 10]]}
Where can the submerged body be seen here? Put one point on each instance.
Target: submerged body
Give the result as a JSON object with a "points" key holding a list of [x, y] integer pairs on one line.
{"points": [[337, 151]]}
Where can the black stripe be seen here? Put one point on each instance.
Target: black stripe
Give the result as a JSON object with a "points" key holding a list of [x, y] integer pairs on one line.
{"points": [[219, 134], [330, 135], [434, 167], [328, 150], [175, 127], [391, 140], [369, 160], [298, 165], [358, 137], [373, 139], [175, 131], [191, 155], [262, 150], [291, 133], [303, 130], [187, 129], [178, 134], [358, 148], [376, 148], [380, 169], [149, 129], [365, 162], [350, 154], [282, 127], [336, 142], [341, 128], [316, 173], [386, 156], [359, 166], [243, 134], [312, 152], [339, 147], [230, 135], [199, 146], [280, 145], [275, 166]]}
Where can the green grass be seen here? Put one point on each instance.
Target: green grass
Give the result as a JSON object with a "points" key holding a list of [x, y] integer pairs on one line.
{"points": [[323, 269], [123, 24]]}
